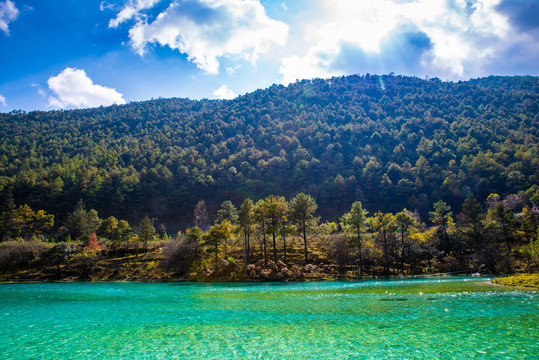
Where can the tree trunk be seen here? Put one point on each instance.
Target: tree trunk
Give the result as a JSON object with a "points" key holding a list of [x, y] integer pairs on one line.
{"points": [[360, 254], [264, 240], [245, 253], [274, 246], [402, 251], [248, 246], [284, 242], [386, 251], [305, 240]]}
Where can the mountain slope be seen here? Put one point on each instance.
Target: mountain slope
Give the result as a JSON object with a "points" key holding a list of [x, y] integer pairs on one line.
{"points": [[388, 141]]}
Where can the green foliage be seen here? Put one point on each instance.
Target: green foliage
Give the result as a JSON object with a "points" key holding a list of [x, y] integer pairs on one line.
{"points": [[348, 143], [302, 208], [354, 224], [108, 228], [246, 215], [441, 215], [275, 209], [384, 244], [81, 223], [59, 254], [354, 221], [341, 140], [147, 230], [227, 212], [195, 234], [217, 235]]}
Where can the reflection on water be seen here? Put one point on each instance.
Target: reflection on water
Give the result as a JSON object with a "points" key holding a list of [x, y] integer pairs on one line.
{"points": [[446, 318]]}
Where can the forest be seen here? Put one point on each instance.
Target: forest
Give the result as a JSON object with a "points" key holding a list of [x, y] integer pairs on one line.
{"points": [[457, 162]]}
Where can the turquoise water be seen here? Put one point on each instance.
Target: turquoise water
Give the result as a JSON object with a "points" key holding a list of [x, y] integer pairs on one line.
{"points": [[408, 319]]}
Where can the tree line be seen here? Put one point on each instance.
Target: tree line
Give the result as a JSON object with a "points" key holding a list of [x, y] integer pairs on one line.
{"points": [[269, 238]]}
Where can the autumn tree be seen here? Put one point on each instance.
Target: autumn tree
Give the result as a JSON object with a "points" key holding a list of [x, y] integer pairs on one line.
{"points": [[27, 222]]}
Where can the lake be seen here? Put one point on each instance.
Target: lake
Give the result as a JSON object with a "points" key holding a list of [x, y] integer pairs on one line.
{"points": [[434, 318]]}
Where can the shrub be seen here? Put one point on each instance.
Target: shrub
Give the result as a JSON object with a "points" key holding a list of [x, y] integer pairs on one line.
{"points": [[179, 254], [58, 255], [18, 254]]}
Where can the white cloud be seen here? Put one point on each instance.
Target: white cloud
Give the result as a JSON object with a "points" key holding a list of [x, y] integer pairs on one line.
{"points": [[462, 33], [3, 101], [133, 9], [232, 70], [73, 88], [104, 5], [224, 93], [207, 30], [8, 13], [317, 63]]}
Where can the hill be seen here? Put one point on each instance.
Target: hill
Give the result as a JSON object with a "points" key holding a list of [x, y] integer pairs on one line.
{"points": [[391, 142]]}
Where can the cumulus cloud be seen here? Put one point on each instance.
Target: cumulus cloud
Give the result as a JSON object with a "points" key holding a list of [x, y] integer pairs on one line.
{"points": [[3, 101], [461, 35], [73, 88], [207, 30], [224, 93], [8, 13]]}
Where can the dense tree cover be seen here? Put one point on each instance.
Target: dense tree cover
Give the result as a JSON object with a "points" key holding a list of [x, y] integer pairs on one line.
{"points": [[390, 142], [502, 236]]}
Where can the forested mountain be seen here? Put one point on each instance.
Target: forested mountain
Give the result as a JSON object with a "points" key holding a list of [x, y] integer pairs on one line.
{"points": [[391, 142]]}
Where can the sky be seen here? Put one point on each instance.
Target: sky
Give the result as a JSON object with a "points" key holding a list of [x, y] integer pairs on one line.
{"points": [[67, 54]]}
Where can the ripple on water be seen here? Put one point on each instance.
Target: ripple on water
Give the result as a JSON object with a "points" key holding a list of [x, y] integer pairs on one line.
{"points": [[419, 318]]}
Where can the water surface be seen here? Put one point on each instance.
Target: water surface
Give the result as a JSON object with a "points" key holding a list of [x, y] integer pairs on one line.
{"points": [[448, 318]]}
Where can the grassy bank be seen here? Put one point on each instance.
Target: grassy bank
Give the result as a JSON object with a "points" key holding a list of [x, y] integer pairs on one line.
{"points": [[526, 280]]}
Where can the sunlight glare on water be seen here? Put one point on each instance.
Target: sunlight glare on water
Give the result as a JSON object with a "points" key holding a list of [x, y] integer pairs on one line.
{"points": [[446, 318]]}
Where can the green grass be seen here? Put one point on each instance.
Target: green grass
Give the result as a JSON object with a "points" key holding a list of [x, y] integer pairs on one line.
{"points": [[527, 280]]}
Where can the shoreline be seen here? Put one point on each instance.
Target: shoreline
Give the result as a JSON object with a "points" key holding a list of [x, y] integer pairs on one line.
{"points": [[217, 281], [513, 287]]}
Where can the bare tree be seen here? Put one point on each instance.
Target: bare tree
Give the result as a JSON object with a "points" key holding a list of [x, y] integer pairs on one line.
{"points": [[201, 215]]}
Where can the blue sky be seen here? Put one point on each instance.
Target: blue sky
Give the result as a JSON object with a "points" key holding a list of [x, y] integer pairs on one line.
{"points": [[73, 54]]}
